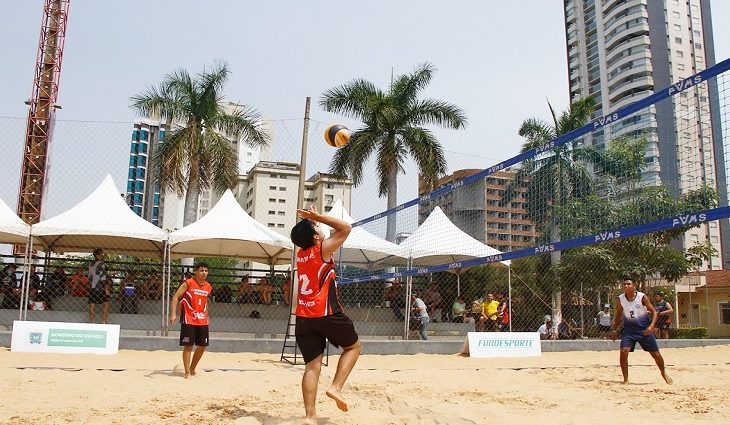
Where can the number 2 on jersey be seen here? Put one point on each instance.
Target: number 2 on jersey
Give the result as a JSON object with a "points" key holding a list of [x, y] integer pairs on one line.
{"points": [[303, 285]]}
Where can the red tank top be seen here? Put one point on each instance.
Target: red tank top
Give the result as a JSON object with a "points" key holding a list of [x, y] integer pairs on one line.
{"points": [[318, 295], [195, 303]]}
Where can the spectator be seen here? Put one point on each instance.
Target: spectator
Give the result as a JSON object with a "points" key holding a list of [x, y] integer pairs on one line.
{"points": [[490, 308], [223, 294], [39, 289], [565, 331], [79, 284], [546, 330], [57, 282], [286, 290], [245, 291], [10, 287], [502, 314], [458, 311], [432, 298], [420, 312], [266, 291], [604, 321], [154, 286], [664, 312], [128, 294], [99, 287], [395, 298]]}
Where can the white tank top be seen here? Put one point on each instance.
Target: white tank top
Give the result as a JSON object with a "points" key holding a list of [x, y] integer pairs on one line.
{"points": [[636, 316]]}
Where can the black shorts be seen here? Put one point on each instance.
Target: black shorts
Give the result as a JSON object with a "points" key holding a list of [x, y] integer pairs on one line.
{"points": [[313, 332], [98, 296], [193, 335], [603, 328], [663, 325]]}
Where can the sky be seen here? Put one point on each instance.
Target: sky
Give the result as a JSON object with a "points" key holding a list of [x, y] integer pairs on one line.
{"points": [[500, 61]]}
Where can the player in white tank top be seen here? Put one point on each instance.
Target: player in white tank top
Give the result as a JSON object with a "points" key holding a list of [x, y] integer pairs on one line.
{"points": [[634, 310]]}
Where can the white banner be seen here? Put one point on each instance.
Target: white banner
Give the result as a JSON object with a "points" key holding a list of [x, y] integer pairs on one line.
{"points": [[60, 337], [504, 344]]}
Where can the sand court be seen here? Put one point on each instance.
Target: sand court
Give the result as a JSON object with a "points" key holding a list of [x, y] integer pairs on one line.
{"points": [[143, 387]]}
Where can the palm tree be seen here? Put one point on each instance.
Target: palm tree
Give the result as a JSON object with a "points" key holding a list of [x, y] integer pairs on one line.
{"points": [[197, 152], [392, 128], [553, 178]]}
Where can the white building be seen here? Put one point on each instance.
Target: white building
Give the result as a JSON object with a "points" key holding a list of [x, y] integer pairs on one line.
{"points": [[620, 51]]}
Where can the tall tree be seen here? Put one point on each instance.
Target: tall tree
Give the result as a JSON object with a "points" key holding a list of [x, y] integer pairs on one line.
{"points": [[392, 128], [197, 153], [556, 176]]}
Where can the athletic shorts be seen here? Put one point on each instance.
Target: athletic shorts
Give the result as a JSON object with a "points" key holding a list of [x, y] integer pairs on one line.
{"points": [[97, 296], [663, 325], [193, 335], [647, 342], [313, 332], [603, 328]]}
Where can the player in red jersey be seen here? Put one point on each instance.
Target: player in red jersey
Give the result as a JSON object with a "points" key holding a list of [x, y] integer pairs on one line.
{"points": [[193, 295], [320, 316]]}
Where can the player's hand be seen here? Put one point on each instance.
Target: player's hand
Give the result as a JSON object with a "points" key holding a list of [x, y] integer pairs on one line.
{"points": [[309, 214], [614, 334], [173, 319], [648, 331]]}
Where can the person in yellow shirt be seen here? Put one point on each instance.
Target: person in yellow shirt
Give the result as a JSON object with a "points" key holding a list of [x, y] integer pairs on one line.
{"points": [[490, 308]]}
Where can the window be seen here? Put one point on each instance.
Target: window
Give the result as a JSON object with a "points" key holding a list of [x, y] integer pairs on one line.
{"points": [[680, 66], [675, 14], [280, 225], [724, 313], [272, 199], [283, 189], [678, 40], [272, 187], [272, 212], [271, 224], [679, 53], [282, 201], [677, 27], [282, 213], [698, 46]]}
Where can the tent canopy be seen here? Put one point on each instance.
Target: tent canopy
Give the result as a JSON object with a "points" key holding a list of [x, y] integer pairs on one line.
{"points": [[102, 220], [228, 231], [12, 228], [438, 241], [363, 248]]}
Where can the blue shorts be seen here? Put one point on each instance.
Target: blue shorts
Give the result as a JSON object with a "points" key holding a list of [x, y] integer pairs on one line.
{"points": [[647, 342]]}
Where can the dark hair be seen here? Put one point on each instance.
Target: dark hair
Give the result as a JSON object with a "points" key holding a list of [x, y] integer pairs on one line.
{"points": [[302, 234], [660, 293], [628, 278], [201, 264], [98, 251]]}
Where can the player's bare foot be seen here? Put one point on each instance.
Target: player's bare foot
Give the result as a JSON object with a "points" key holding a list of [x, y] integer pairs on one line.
{"points": [[187, 376], [337, 397], [193, 373], [625, 381], [667, 379]]}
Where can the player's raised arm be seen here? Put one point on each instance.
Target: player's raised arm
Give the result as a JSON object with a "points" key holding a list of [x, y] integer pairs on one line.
{"points": [[340, 229]]}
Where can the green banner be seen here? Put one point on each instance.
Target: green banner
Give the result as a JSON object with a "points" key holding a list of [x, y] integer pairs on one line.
{"points": [[76, 338]]}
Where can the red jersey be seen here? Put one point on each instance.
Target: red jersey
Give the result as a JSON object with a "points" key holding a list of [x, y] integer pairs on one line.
{"points": [[195, 303], [318, 294]]}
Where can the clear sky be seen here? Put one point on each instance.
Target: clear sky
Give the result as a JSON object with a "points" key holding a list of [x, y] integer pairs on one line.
{"points": [[498, 60]]}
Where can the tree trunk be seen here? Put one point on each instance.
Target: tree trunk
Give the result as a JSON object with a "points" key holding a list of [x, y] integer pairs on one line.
{"points": [[392, 202]]}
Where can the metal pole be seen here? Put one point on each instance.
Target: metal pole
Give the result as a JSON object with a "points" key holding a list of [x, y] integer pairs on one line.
{"points": [[509, 295], [582, 323]]}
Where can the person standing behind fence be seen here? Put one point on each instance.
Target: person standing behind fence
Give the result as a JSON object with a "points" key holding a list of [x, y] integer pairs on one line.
{"points": [[604, 322], [193, 296], [490, 311], [10, 286], [420, 313], [99, 290], [502, 314], [664, 312], [319, 312], [635, 310]]}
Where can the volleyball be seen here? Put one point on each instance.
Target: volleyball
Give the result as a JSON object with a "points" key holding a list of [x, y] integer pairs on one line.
{"points": [[337, 135]]}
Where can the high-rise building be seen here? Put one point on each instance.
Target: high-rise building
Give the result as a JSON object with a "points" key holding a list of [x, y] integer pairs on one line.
{"points": [[143, 193], [620, 51], [480, 211]]}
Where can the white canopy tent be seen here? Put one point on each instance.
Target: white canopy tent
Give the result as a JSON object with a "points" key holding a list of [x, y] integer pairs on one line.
{"points": [[102, 220], [438, 241], [12, 228], [362, 248], [228, 231]]}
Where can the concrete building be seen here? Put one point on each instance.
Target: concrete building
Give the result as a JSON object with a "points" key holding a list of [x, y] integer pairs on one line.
{"points": [[478, 210], [620, 51], [269, 191]]}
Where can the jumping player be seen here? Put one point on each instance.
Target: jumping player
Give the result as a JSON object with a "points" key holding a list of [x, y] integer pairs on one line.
{"points": [[634, 308], [193, 294], [320, 316]]}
